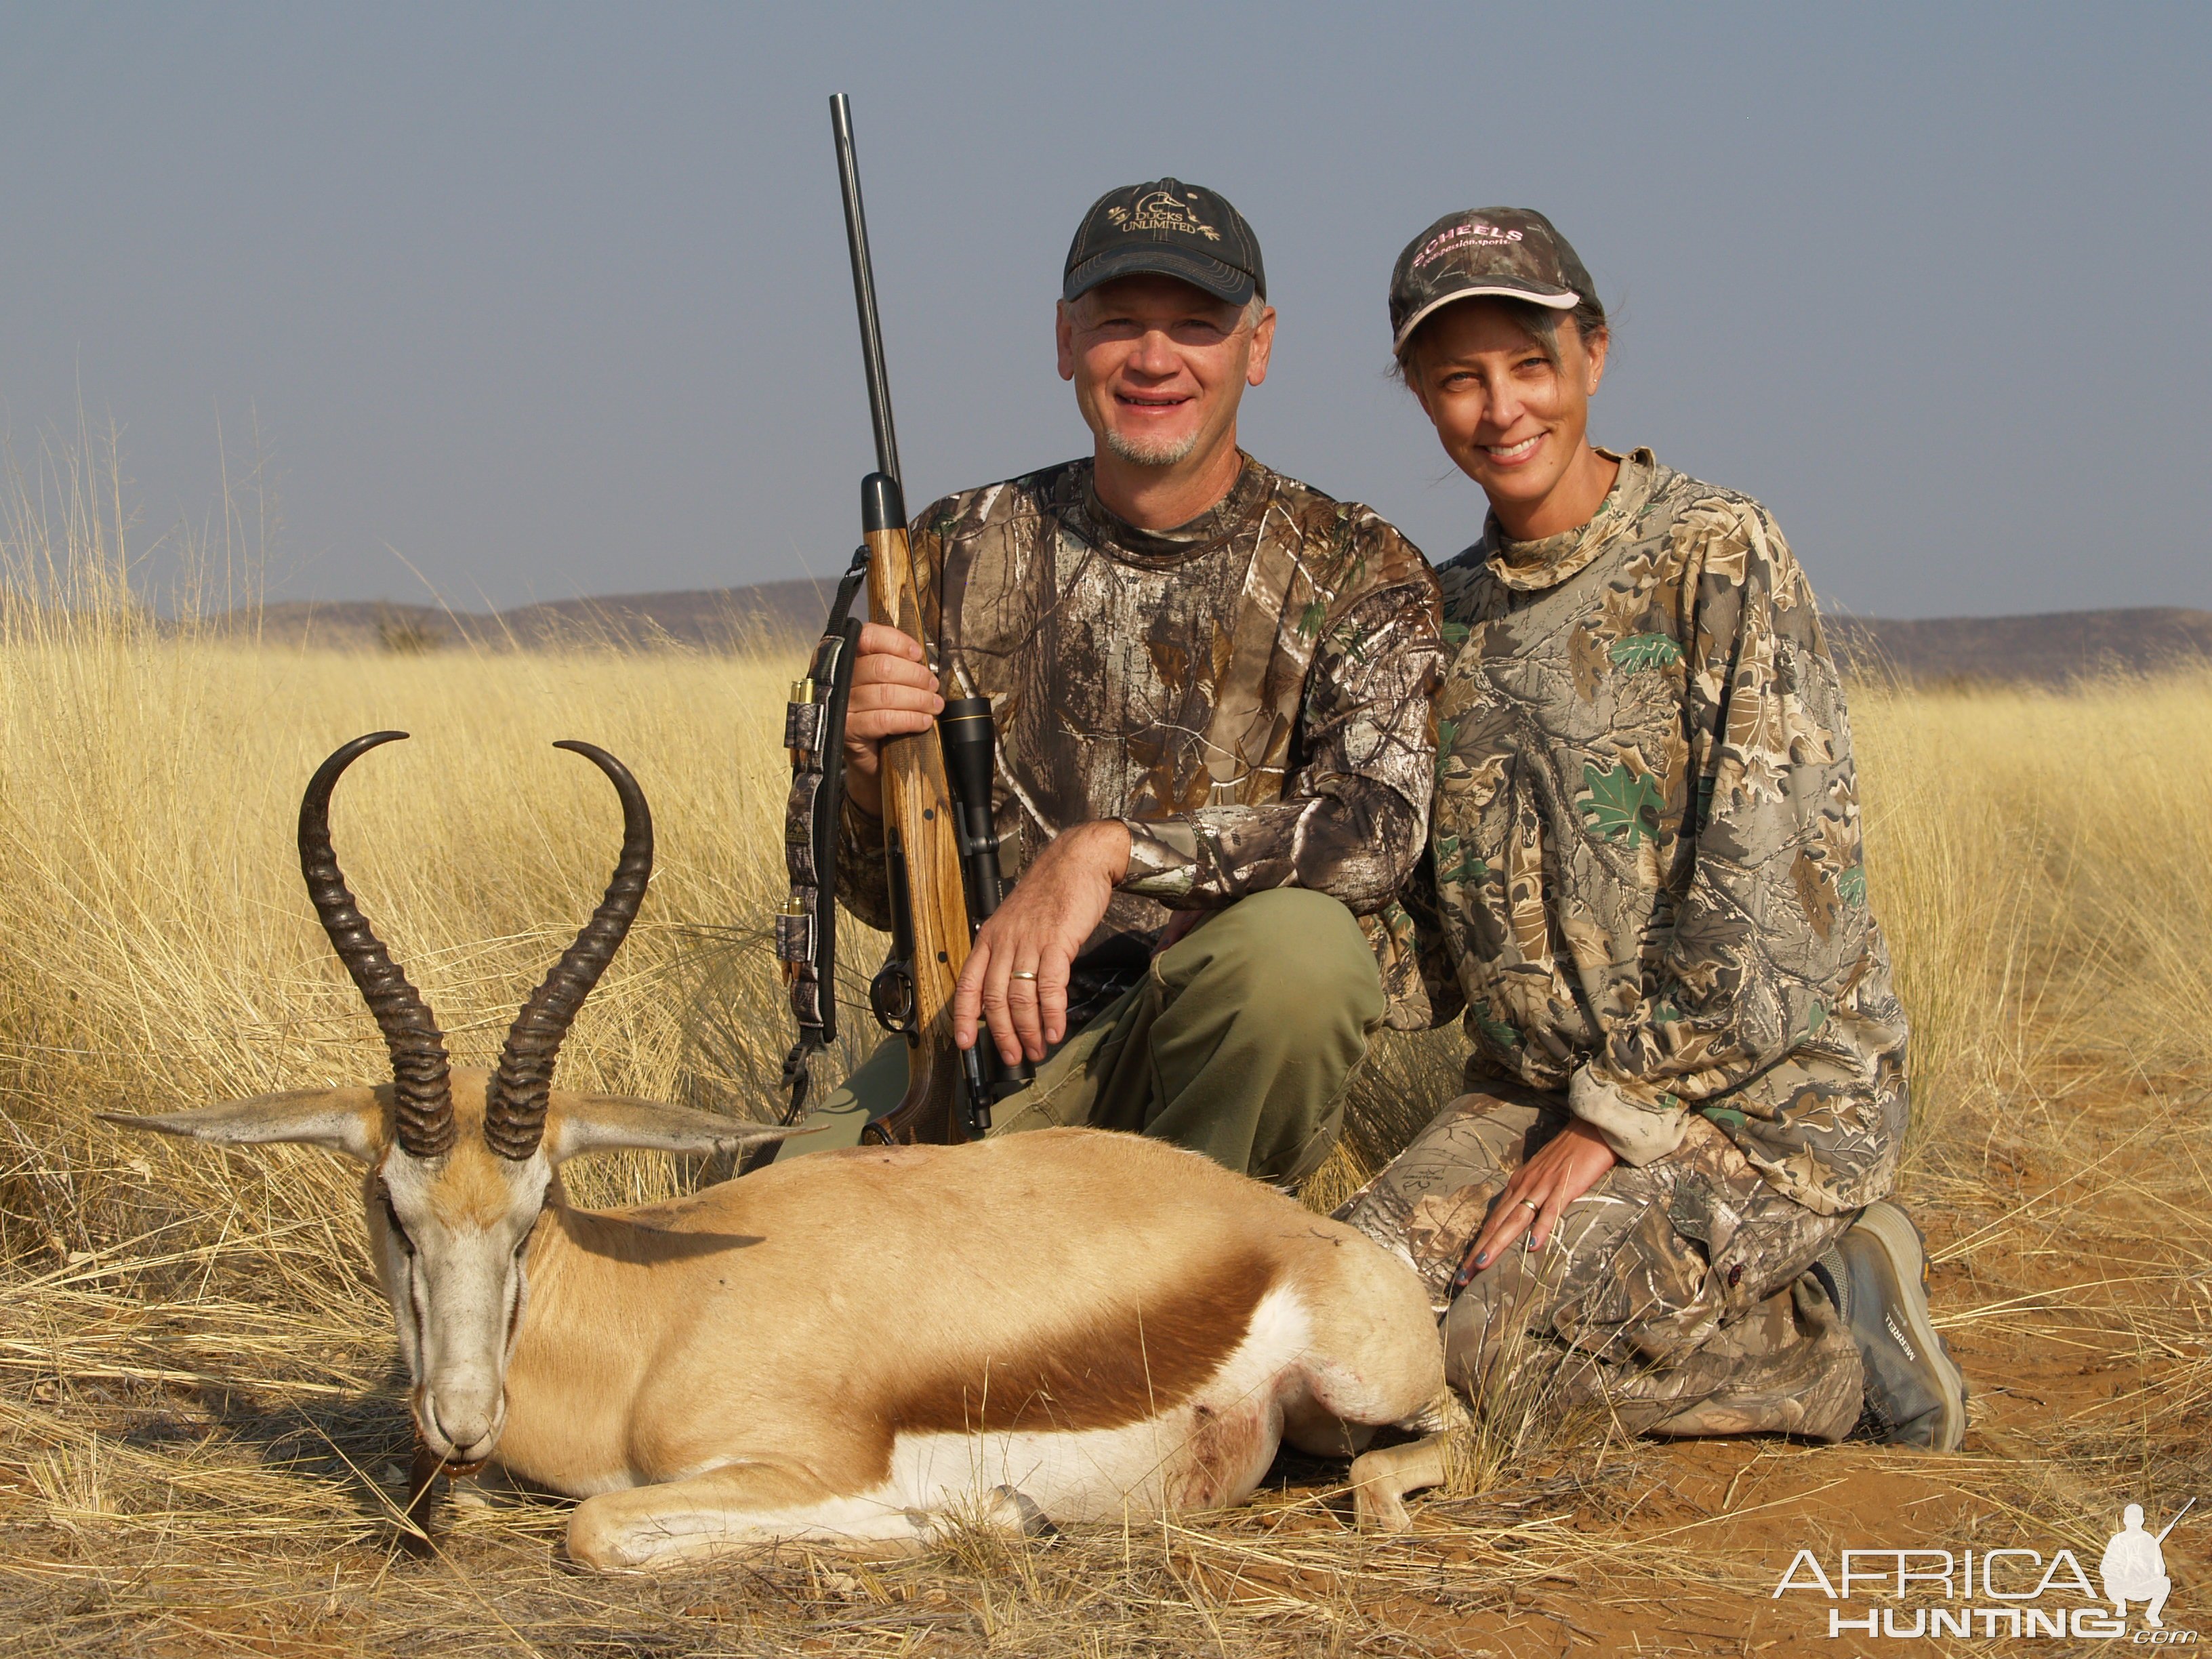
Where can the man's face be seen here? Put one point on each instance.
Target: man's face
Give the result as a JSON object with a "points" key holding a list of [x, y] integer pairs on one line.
{"points": [[1512, 418], [1159, 366]]}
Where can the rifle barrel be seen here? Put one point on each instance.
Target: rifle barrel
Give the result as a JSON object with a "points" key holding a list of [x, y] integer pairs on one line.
{"points": [[864, 289], [2176, 1521]]}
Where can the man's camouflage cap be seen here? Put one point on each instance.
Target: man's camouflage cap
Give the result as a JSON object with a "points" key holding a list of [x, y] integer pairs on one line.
{"points": [[1495, 253], [1166, 228]]}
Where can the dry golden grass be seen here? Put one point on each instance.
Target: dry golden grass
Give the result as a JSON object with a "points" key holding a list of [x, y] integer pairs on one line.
{"points": [[200, 1429]]}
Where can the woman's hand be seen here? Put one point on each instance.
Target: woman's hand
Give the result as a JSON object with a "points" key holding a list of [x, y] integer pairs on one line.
{"points": [[1562, 1169], [1061, 897], [893, 695]]}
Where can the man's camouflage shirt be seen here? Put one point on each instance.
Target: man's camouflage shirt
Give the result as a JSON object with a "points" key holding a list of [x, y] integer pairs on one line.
{"points": [[1249, 693], [1648, 882]]}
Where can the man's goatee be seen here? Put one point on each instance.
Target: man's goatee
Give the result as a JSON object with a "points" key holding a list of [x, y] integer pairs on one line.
{"points": [[1151, 454]]}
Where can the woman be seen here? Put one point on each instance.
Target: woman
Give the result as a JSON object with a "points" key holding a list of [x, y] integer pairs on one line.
{"points": [[1687, 1089]]}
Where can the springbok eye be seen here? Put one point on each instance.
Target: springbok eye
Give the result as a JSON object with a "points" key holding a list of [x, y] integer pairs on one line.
{"points": [[522, 1244], [392, 1220]]}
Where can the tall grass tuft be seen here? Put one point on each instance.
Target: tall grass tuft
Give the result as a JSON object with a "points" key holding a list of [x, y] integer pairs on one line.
{"points": [[2042, 861]]}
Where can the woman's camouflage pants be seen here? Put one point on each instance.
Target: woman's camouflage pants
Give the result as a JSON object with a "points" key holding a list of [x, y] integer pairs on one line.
{"points": [[1674, 1295]]}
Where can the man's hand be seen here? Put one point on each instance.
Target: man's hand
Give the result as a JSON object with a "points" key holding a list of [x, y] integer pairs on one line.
{"points": [[1565, 1167], [894, 695], [1061, 897]]}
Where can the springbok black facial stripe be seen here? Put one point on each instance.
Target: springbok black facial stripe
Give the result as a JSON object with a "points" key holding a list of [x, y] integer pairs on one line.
{"points": [[391, 1221]]}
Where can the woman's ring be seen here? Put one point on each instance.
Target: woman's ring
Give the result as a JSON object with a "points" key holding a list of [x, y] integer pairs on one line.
{"points": [[1021, 972], [1533, 1205]]}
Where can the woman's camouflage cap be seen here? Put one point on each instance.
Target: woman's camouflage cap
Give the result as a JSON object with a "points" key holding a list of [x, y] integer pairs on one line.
{"points": [[1494, 252]]}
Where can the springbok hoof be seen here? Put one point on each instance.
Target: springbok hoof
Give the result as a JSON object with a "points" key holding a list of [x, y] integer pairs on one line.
{"points": [[1381, 1479]]}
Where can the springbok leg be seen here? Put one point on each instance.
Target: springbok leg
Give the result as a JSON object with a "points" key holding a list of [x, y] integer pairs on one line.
{"points": [[1381, 1479], [752, 1505]]}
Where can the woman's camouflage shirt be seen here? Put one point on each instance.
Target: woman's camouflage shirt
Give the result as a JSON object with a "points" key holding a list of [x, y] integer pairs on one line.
{"points": [[1649, 889], [1249, 692]]}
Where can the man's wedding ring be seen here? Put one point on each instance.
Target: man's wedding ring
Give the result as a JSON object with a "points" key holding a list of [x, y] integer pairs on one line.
{"points": [[1021, 972]]}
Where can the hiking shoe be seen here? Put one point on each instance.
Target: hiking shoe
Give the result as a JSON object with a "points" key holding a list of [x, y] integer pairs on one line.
{"points": [[1877, 1276]]}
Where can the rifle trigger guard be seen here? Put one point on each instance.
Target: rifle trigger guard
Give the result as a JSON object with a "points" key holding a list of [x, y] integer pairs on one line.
{"points": [[890, 997]]}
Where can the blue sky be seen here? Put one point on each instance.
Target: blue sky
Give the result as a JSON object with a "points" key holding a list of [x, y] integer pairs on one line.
{"points": [[534, 301]]}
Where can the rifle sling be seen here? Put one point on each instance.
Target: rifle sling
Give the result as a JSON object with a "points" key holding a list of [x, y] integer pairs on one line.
{"points": [[806, 931]]}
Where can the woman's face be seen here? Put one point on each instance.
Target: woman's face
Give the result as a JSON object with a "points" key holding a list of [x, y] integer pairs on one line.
{"points": [[1514, 421]]}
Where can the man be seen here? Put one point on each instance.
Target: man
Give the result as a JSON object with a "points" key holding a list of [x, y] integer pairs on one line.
{"points": [[2134, 1570], [1212, 686]]}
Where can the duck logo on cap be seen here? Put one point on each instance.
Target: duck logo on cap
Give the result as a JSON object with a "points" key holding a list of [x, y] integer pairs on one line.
{"points": [[1160, 210]]}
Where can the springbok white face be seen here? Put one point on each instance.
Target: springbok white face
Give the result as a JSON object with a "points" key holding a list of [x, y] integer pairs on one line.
{"points": [[461, 1163], [450, 1236]]}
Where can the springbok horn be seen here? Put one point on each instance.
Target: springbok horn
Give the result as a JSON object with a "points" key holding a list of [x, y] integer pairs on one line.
{"points": [[421, 1088], [515, 1099]]}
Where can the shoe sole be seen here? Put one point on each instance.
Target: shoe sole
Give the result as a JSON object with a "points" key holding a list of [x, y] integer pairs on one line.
{"points": [[1908, 1259]]}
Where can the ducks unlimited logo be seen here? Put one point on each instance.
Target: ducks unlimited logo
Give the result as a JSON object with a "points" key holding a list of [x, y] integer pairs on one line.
{"points": [[1162, 210], [2019, 1593]]}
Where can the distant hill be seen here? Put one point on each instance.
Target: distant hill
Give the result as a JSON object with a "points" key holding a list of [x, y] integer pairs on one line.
{"points": [[2050, 648], [713, 619]]}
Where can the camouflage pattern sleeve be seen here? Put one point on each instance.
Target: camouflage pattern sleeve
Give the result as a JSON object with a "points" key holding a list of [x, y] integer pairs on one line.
{"points": [[1432, 994], [1771, 933], [1352, 815], [862, 886]]}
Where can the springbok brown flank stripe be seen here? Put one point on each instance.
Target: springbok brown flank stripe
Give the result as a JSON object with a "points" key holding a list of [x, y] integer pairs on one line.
{"points": [[1119, 1366]]}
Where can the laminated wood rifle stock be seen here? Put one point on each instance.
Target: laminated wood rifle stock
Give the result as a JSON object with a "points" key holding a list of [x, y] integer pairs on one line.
{"points": [[913, 994]]}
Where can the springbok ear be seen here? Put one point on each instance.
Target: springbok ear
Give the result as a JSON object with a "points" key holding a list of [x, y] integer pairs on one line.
{"points": [[575, 1124], [349, 1121]]}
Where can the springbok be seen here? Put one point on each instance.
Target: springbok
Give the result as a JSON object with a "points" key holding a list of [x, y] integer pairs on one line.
{"points": [[852, 1348]]}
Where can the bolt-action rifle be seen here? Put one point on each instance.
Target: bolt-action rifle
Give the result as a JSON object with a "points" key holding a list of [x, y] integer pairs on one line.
{"points": [[941, 849]]}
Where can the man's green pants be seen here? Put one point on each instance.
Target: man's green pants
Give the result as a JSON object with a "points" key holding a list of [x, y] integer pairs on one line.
{"points": [[1236, 1044]]}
